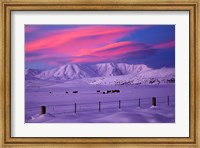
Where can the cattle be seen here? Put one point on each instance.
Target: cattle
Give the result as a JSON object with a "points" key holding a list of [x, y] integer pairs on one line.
{"points": [[109, 91], [117, 91], [75, 92], [113, 91], [98, 91], [66, 92]]}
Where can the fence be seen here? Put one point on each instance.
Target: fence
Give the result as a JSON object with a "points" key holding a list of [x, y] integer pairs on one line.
{"points": [[103, 105]]}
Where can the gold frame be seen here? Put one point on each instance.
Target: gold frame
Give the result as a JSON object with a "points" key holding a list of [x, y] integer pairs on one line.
{"points": [[5, 76]]}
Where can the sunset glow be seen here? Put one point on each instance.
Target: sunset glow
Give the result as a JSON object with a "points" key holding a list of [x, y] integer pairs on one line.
{"points": [[47, 46]]}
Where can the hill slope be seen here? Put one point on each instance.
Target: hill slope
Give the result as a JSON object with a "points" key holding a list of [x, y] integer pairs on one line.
{"points": [[106, 73]]}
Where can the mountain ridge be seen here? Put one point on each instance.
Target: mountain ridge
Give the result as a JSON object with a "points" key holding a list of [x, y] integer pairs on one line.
{"points": [[132, 73]]}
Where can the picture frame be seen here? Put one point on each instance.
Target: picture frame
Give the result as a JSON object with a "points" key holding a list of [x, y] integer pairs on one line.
{"points": [[112, 5]]}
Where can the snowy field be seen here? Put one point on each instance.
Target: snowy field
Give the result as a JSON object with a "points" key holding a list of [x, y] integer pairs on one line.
{"points": [[133, 104]]}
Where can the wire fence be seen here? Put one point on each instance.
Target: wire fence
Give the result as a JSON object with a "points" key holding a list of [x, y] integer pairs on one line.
{"points": [[101, 106]]}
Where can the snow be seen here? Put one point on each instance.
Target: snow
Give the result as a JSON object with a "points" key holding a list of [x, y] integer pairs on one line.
{"points": [[106, 74], [61, 106], [132, 69], [31, 73], [65, 72], [123, 116], [54, 89]]}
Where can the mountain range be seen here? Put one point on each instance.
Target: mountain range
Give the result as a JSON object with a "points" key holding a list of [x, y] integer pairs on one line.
{"points": [[105, 73]]}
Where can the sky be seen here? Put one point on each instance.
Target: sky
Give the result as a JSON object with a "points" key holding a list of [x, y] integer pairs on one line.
{"points": [[49, 46]]}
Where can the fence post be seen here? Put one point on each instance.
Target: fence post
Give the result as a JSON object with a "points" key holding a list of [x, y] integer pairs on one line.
{"points": [[139, 102], [43, 110], [119, 104], [153, 101], [99, 106], [168, 100], [75, 107]]}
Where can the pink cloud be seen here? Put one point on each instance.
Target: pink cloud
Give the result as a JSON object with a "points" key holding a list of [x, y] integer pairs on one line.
{"points": [[86, 44], [165, 45], [109, 46], [95, 52], [29, 59], [78, 38], [112, 51]]}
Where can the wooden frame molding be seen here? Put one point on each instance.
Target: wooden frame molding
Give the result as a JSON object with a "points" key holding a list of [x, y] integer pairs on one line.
{"points": [[98, 5]]}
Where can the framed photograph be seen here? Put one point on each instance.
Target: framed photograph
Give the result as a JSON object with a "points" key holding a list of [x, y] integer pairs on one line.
{"points": [[100, 73]]}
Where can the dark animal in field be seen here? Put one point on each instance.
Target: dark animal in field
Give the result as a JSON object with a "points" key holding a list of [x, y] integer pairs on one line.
{"points": [[109, 91], [117, 91], [75, 92], [66, 92], [50, 92], [98, 90], [104, 92]]}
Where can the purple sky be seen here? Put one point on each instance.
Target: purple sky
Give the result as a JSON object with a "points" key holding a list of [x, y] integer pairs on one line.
{"points": [[48, 46]]}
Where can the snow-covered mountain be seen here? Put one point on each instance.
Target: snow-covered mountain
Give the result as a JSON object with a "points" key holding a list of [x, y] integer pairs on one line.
{"points": [[106, 73], [158, 76], [31, 73], [107, 69], [67, 72], [112, 69]]}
